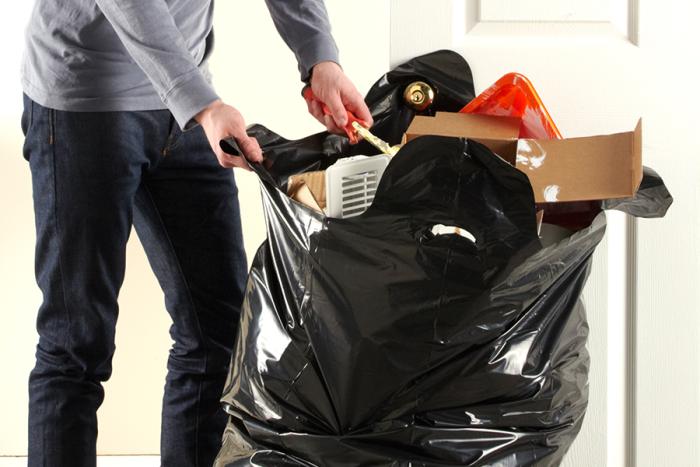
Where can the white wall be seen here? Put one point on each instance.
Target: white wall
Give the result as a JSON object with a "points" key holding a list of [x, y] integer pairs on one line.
{"points": [[255, 72], [19, 295]]}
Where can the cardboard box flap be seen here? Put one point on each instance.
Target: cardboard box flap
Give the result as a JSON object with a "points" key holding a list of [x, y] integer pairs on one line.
{"points": [[499, 134], [579, 169], [459, 125], [638, 167], [575, 169], [300, 192]]}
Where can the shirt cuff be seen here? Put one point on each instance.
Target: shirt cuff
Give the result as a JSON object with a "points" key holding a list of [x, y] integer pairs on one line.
{"points": [[192, 94], [319, 48]]}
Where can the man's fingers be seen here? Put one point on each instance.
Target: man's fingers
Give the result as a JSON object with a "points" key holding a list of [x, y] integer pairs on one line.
{"points": [[316, 110], [221, 121], [228, 164], [331, 125], [338, 112], [250, 148], [355, 103], [228, 161], [358, 106]]}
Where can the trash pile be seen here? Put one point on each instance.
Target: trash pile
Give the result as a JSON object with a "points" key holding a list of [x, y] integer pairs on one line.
{"points": [[421, 306]]}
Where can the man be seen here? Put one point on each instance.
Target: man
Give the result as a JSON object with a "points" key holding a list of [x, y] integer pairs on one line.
{"points": [[123, 126]]}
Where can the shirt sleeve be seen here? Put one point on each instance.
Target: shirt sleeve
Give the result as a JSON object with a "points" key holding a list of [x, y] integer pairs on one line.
{"points": [[305, 28], [150, 35]]}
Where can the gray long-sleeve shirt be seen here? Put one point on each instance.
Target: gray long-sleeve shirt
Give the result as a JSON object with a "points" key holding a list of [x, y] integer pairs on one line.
{"points": [[106, 55]]}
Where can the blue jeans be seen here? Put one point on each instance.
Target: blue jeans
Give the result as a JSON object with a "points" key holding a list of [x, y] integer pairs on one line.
{"points": [[94, 174]]}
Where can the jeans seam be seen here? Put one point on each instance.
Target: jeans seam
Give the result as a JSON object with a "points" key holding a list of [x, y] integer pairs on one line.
{"points": [[196, 317], [52, 125], [68, 343]]}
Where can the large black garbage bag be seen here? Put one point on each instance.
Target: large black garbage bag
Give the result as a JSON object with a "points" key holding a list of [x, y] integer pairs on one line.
{"points": [[373, 341]]}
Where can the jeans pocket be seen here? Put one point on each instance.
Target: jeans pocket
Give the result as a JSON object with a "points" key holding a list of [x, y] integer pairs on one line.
{"points": [[27, 124], [38, 125], [174, 134], [27, 114]]}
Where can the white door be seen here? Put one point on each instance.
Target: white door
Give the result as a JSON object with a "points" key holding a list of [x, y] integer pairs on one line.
{"points": [[598, 65]]}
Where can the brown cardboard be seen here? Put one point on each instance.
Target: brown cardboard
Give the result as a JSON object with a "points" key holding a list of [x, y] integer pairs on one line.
{"points": [[314, 181], [456, 124], [499, 134], [575, 169], [300, 192], [637, 167], [582, 169]]}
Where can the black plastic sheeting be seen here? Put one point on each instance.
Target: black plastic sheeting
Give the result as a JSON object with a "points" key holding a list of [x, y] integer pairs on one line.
{"points": [[371, 341]]}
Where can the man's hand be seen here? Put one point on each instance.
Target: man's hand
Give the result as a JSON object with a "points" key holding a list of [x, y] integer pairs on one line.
{"points": [[221, 121], [333, 88]]}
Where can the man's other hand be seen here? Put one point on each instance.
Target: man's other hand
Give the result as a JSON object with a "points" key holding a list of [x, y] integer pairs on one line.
{"points": [[332, 87], [221, 121]]}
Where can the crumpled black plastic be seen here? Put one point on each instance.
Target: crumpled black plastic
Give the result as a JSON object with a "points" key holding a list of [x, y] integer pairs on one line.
{"points": [[372, 341]]}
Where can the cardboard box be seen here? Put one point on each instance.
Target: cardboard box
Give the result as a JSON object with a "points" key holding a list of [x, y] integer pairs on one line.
{"points": [[300, 192], [309, 188], [574, 169]]}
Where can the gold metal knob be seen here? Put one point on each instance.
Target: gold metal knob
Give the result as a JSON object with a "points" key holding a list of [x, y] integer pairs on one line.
{"points": [[419, 95]]}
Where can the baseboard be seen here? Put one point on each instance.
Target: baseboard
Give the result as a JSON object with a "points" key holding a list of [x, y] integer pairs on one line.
{"points": [[102, 461]]}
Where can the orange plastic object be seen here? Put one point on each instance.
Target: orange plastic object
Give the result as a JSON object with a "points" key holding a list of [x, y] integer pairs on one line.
{"points": [[514, 96]]}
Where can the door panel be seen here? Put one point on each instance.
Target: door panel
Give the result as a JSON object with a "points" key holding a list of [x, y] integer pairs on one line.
{"points": [[543, 10]]}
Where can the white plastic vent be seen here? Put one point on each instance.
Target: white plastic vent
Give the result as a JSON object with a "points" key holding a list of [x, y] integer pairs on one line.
{"points": [[352, 183]]}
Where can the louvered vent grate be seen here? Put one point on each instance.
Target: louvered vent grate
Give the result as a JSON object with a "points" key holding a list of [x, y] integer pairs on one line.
{"points": [[352, 184], [358, 193]]}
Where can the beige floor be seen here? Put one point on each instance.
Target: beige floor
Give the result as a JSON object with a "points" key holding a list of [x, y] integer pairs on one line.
{"points": [[103, 461]]}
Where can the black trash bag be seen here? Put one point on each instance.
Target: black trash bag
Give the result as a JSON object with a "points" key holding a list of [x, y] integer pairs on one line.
{"points": [[375, 341], [445, 71]]}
